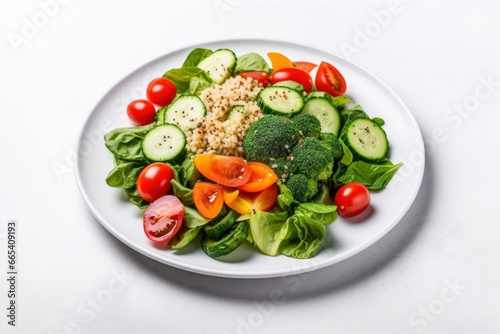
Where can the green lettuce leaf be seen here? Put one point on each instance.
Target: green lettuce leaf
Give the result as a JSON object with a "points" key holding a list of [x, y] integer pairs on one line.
{"points": [[251, 62]]}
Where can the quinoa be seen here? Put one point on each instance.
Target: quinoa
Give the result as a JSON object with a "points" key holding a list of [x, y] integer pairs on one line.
{"points": [[218, 135]]}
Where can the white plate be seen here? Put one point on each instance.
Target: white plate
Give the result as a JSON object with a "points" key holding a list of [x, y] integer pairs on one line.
{"points": [[345, 237]]}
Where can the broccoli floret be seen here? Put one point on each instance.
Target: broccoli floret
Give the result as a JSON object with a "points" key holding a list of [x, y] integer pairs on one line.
{"points": [[311, 158], [330, 141], [269, 137], [308, 125], [302, 187], [281, 167]]}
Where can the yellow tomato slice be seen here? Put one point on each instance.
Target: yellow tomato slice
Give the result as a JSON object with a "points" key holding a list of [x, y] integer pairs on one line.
{"points": [[279, 61]]}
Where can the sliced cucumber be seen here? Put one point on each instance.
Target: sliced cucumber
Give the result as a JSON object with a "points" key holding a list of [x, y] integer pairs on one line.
{"points": [[160, 116], [236, 112], [166, 142], [217, 230], [328, 115], [281, 101], [318, 94], [219, 65], [187, 112], [365, 139], [232, 240], [290, 84]]}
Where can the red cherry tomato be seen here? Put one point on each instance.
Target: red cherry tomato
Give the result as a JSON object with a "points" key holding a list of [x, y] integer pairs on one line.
{"points": [[141, 112], [294, 74], [262, 177], [163, 218], [351, 199], [154, 181], [208, 198], [226, 170], [305, 65], [161, 91], [261, 77], [330, 80], [257, 201]]}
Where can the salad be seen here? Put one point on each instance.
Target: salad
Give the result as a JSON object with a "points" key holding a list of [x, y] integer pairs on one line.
{"points": [[228, 149]]}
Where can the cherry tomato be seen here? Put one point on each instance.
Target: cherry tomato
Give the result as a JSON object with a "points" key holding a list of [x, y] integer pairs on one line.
{"points": [[261, 77], [305, 66], [161, 91], [208, 198], [226, 170], [154, 181], [279, 61], [258, 201], [262, 177], [163, 218], [141, 112], [294, 74], [351, 199], [330, 80]]}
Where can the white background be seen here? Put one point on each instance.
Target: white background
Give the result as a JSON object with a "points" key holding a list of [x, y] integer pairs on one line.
{"points": [[435, 272]]}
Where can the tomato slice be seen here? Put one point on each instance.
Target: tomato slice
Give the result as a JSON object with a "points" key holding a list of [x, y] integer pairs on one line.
{"points": [[262, 177], [230, 194], [351, 199], [225, 170], [294, 74], [261, 77], [305, 66], [258, 201], [163, 218], [279, 60], [208, 198], [154, 181], [330, 80]]}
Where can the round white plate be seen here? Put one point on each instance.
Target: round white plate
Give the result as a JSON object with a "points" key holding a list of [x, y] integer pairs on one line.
{"points": [[345, 237]]}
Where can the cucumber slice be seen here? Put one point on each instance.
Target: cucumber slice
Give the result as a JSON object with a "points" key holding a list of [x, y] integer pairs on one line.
{"points": [[232, 240], [290, 84], [318, 94], [160, 116], [187, 112], [166, 142], [217, 230], [328, 115], [236, 112], [282, 101], [365, 139], [219, 65]]}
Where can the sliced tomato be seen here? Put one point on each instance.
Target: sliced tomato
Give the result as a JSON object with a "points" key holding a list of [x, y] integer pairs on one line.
{"points": [[262, 177], [257, 201], [261, 77], [208, 198], [225, 170], [163, 218], [279, 61], [305, 65], [294, 74], [330, 80]]}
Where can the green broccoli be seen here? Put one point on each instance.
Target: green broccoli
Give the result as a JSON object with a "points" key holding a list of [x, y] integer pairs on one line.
{"points": [[281, 166], [330, 141], [307, 124], [302, 187], [271, 136], [311, 158]]}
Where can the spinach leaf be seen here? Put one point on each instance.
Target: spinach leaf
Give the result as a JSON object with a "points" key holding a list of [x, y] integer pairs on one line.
{"points": [[184, 237], [193, 218], [124, 174], [135, 198], [251, 62], [183, 193], [373, 176], [126, 143], [195, 56], [197, 84], [350, 114], [181, 77], [301, 236]]}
